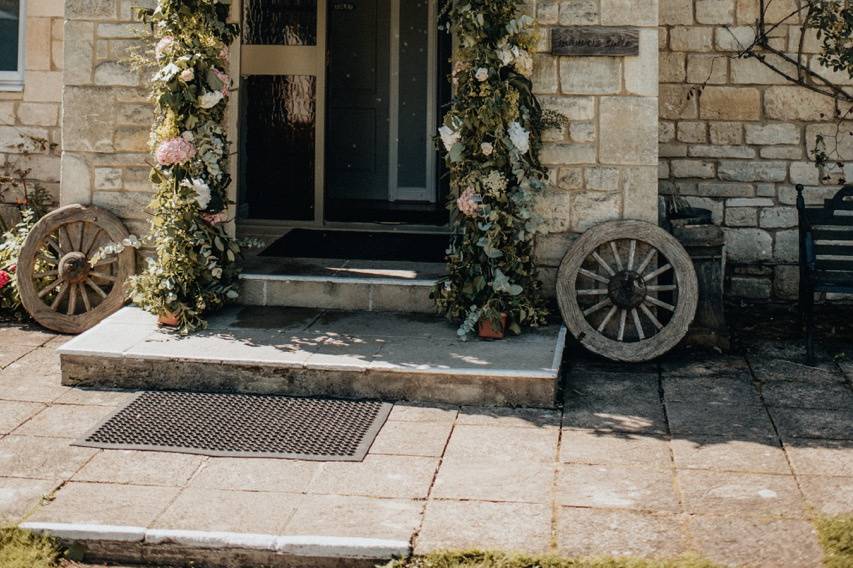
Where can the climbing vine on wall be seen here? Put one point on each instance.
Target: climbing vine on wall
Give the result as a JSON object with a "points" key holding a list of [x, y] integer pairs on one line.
{"points": [[490, 137], [195, 267]]}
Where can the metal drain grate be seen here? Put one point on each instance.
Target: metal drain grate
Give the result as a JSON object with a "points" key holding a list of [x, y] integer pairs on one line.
{"points": [[240, 425]]}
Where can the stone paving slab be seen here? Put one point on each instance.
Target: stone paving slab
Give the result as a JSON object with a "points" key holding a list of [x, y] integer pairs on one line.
{"points": [[634, 464]]}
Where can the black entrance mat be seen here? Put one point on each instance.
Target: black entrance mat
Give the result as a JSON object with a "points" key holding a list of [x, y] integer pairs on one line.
{"points": [[238, 425], [362, 245]]}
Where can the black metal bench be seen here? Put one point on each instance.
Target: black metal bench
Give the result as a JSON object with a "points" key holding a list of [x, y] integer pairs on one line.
{"points": [[826, 253]]}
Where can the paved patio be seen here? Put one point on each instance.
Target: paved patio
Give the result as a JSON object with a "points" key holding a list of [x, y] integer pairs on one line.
{"points": [[727, 456]]}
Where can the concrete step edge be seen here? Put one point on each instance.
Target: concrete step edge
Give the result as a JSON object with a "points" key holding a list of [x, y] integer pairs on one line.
{"points": [[314, 546], [343, 280]]}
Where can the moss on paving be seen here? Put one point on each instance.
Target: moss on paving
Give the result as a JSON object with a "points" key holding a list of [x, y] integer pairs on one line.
{"points": [[836, 537], [22, 549], [480, 559]]}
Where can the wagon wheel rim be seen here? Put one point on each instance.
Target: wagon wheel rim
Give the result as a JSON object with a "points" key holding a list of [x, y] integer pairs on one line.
{"points": [[627, 290], [61, 286]]}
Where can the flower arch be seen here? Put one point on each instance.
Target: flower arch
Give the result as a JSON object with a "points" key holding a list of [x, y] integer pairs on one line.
{"points": [[491, 137]]}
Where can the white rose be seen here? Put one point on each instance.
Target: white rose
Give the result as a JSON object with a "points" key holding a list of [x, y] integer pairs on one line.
{"points": [[487, 148], [505, 55], [524, 64], [202, 191], [519, 136], [482, 74], [449, 137], [210, 99], [166, 73], [187, 75]]}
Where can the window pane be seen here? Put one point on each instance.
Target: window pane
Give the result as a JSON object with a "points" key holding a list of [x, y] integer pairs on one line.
{"points": [[278, 146], [9, 12], [412, 105], [279, 22]]}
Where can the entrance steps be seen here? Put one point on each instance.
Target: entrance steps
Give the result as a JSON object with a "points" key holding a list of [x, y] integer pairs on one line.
{"points": [[365, 285], [309, 351]]}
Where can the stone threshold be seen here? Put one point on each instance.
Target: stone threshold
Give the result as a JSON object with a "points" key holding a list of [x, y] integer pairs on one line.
{"points": [[118, 543], [310, 352]]}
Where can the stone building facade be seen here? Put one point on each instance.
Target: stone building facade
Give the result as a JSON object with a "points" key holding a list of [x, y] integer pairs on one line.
{"points": [[29, 114], [636, 126], [736, 137]]}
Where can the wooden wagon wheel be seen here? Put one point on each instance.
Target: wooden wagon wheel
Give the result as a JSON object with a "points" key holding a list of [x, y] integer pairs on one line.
{"points": [[627, 290], [58, 285]]}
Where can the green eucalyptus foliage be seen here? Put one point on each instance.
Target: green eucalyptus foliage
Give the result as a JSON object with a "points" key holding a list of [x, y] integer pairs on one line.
{"points": [[491, 140], [195, 268]]}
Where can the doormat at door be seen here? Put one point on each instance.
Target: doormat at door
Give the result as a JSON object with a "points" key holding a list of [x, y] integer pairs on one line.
{"points": [[239, 425], [362, 245]]}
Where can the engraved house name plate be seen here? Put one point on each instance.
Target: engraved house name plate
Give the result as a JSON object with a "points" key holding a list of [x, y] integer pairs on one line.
{"points": [[595, 40]]}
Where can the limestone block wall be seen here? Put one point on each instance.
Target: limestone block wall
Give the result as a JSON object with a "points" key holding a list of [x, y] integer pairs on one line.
{"points": [[33, 112], [735, 137], [603, 165], [106, 115]]}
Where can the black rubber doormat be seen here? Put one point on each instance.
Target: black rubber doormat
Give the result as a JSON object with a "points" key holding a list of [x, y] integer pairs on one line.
{"points": [[240, 425], [362, 245]]}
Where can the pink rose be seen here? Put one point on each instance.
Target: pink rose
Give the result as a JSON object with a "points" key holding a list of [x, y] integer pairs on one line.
{"points": [[226, 80], [469, 202], [4, 278], [214, 218], [164, 44], [174, 151]]}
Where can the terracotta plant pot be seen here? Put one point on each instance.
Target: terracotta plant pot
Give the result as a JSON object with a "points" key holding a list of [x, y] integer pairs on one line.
{"points": [[488, 331], [168, 319]]}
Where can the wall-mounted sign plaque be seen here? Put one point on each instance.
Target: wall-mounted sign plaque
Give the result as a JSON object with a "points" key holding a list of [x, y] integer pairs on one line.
{"points": [[595, 40]]}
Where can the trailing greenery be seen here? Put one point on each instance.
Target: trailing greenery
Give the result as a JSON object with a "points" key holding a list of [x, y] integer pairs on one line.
{"points": [[485, 559], [195, 269], [836, 536], [491, 137]]}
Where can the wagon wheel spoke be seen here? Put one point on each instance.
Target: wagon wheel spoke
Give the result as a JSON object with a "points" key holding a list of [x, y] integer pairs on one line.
{"points": [[58, 298], [72, 300], [103, 276], [616, 257], [632, 253], [96, 288], [594, 276], [85, 296], [47, 289], [662, 288], [593, 292], [51, 242], [657, 272], [623, 318], [645, 309], [654, 301], [607, 318], [596, 307], [105, 262], [82, 226], [603, 264], [65, 239], [90, 243], [638, 324], [645, 262]]}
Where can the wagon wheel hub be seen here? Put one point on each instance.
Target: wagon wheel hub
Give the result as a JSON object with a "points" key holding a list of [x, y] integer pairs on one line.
{"points": [[74, 268], [627, 289]]}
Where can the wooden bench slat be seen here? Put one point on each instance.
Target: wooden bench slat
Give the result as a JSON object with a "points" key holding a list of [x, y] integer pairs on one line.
{"points": [[842, 265], [829, 234], [833, 250], [824, 217], [834, 277]]}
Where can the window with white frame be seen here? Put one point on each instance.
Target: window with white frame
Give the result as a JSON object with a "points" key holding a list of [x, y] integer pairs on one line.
{"points": [[11, 44]]}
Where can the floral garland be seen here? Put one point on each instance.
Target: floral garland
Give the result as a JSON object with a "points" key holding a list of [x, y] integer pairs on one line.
{"points": [[491, 137], [195, 269]]}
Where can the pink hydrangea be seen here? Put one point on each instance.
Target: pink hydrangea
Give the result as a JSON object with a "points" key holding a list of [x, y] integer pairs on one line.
{"points": [[5, 278], [469, 202], [174, 151], [215, 218], [164, 44], [226, 80]]}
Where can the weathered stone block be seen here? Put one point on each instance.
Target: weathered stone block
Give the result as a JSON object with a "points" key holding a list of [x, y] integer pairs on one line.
{"points": [[726, 133], [617, 112], [640, 191], [551, 248], [672, 150], [570, 178], [125, 204], [38, 114], [592, 207], [705, 68], [574, 108], [666, 131], [749, 202], [131, 138], [582, 132], [782, 152], [734, 38], [90, 9], [741, 217], [76, 180], [88, 119], [43, 86], [786, 281], [108, 178], [579, 12], [547, 12], [737, 170], [748, 245], [715, 11], [629, 12], [787, 247], [693, 132], [836, 137], [37, 45], [750, 288], [778, 217], [704, 151], [672, 67], [19, 139], [715, 206], [677, 102], [752, 71], [46, 8], [691, 38], [602, 179], [126, 30], [545, 79], [555, 207], [772, 133], [560, 154], [590, 75], [730, 103], [676, 12], [805, 173], [796, 103], [641, 72], [693, 169]]}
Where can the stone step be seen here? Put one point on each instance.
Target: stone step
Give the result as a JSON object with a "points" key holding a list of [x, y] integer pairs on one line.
{"points": [[380, 286], [314, 352]]}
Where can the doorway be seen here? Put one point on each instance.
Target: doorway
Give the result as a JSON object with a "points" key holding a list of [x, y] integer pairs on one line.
{"points": [[340, 100]]}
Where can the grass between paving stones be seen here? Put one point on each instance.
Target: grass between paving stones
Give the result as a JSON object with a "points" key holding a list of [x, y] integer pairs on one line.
{"points": [[484, 559], [22, 549], [836, 537]]}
